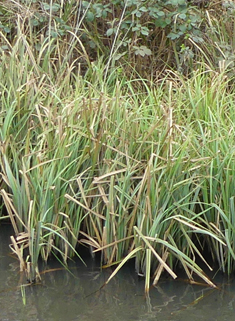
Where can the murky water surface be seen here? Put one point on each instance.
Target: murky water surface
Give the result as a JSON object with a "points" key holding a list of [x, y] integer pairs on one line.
{"points": [[63, 296]]}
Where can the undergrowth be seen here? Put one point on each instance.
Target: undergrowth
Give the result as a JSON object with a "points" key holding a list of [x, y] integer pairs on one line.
{"points": [[116, 132]]}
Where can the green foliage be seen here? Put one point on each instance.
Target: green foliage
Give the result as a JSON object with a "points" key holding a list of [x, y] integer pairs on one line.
{"points": [[179, 19], [92, 151], [132, 23], [149, 34]]}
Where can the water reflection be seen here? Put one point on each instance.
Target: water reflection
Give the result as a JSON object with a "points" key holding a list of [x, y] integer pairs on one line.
{"points": [[63, 296]]}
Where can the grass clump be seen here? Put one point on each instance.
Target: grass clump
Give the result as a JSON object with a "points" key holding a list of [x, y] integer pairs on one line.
{"points": [[93, 153]]}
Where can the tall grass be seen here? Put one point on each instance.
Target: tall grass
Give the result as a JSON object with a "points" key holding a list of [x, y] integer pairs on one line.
{"points": [[127, 166]]}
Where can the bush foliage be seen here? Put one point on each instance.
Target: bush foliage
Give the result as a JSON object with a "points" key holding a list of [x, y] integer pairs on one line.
{"points": [[149, 35]]}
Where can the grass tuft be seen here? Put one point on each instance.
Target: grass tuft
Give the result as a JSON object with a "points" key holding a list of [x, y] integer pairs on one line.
{"points": [[94, 153]]}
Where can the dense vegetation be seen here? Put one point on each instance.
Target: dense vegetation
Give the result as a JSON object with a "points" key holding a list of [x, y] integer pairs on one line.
{"points": [[117, 132]]}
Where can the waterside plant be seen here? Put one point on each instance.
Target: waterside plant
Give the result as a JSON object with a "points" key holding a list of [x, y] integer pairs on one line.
{"points": [[93, 153]]}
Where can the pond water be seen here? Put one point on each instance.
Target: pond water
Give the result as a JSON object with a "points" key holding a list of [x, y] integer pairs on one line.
{"points": [[63, 296]]}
